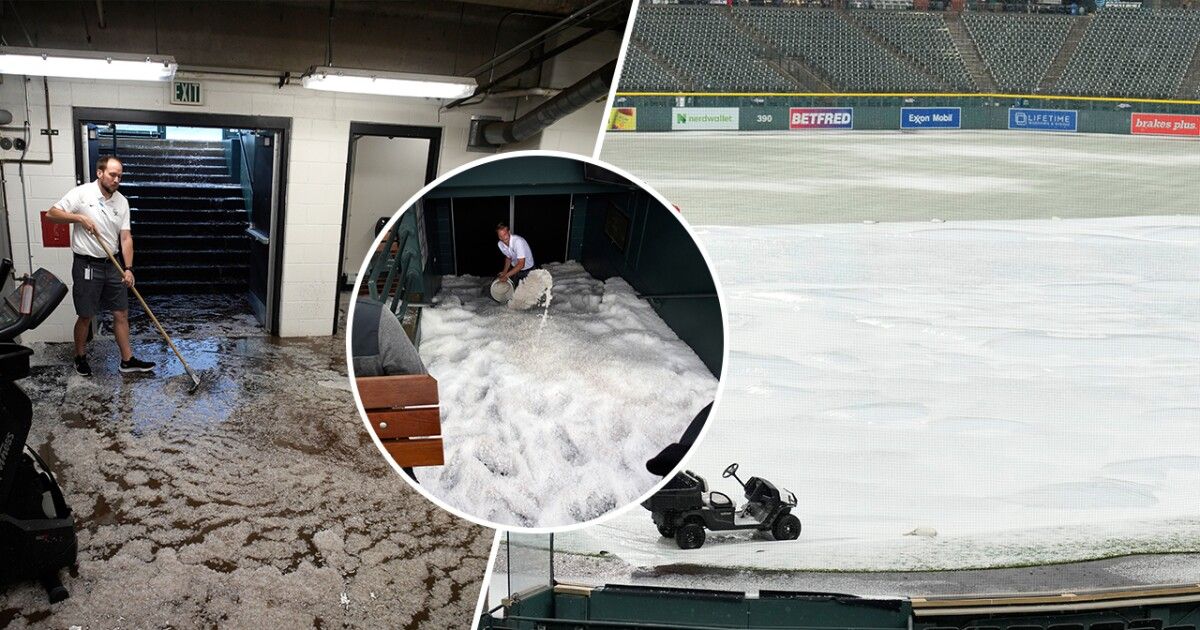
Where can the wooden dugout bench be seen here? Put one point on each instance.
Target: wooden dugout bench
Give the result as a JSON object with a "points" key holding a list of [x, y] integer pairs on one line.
{"points": [[403, 412]]}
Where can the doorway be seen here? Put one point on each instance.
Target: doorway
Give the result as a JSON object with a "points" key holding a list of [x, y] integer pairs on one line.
{"points": [[385, 166], [542, 220], [206, 196]]}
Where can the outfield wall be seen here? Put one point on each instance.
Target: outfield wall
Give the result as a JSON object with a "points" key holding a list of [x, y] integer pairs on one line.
{"points": [[814, 112]]}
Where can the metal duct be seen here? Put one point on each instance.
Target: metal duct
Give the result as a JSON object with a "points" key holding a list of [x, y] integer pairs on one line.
{"points": [[494, 133]]}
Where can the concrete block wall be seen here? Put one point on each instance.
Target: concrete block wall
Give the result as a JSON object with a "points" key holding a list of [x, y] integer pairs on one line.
{"points": [[316, 170]]}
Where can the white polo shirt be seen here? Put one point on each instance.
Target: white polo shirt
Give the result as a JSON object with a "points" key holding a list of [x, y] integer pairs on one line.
{"points": [[110, 216], [517, 249]]}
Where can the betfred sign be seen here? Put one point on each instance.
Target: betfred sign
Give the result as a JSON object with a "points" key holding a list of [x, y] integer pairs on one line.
{"points": [[821, 118], [930, 117], [1165, 124]]}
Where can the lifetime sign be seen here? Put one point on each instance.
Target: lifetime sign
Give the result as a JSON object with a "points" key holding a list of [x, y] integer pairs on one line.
{"points": [[821, 118], [931, 118], [186, 93], [1043, 119]]}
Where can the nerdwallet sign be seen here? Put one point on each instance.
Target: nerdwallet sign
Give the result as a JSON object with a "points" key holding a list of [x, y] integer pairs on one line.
{"points": [[684, 118], [1043, 119]]}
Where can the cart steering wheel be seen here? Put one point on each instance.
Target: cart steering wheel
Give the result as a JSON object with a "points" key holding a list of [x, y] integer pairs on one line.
{"points": [[730, 471]]}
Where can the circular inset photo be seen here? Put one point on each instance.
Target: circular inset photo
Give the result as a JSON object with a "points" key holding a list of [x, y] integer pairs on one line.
{"points": [[536, 341]]}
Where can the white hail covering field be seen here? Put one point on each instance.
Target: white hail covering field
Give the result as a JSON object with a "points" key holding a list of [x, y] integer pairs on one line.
{"points": [[1027, 389], [549, 417]]}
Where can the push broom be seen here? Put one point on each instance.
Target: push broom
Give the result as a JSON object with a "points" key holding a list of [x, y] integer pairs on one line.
{"points": [[186, 367]]}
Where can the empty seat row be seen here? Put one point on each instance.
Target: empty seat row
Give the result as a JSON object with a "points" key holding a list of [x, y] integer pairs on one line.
{"points": [[1018, 48]]}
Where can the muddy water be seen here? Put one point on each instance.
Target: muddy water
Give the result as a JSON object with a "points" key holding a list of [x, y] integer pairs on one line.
{"points": [[259, 500]]}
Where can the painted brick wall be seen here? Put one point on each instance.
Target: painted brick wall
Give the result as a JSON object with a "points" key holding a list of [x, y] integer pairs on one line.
{"points": [[317, 166]]}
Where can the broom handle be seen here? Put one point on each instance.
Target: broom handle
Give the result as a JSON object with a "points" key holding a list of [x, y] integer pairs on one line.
{"points": [[149, 312]]}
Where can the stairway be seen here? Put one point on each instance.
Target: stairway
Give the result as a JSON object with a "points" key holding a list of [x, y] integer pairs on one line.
{"points": [[900, 55], [187, 214], [1054, 73], [1189, 88], [803, 76], [981, 75]]}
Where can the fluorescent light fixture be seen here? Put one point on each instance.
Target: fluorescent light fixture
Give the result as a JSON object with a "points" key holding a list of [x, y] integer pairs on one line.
{"points": [[83, 64], [388, 83]]}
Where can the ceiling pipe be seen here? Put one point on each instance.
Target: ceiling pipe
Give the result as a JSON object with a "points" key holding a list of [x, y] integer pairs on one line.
{"points": [[494, 133], [550, 31], [100, 12]]}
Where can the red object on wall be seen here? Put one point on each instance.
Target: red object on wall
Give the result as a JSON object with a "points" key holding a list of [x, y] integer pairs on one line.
{"points": [[1165, 124], [55, 234]]}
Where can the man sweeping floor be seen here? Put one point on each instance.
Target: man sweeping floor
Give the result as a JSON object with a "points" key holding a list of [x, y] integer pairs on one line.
{"points": [[98, 211]]}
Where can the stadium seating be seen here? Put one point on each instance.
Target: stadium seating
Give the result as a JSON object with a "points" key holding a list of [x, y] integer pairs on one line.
{"points": [[924, 38], [1018, 47], [822, 39], [1123, 52], [642, 74], [704, 44], [1133, 52]]}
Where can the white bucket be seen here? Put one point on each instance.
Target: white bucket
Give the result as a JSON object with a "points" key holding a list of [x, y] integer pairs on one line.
{"points": [[502, 291]]}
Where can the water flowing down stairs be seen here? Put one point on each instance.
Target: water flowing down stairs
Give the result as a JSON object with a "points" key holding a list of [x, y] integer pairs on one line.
{"points": [[188, 216]]}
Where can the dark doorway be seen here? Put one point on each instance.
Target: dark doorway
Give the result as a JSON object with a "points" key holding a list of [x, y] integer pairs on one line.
{"points": [[544, 221], [475, 219], [385, 166], [206, 195]]}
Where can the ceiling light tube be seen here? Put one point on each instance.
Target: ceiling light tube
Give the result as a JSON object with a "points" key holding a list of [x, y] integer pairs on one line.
{"points": [[388, 83], [83, 64]]}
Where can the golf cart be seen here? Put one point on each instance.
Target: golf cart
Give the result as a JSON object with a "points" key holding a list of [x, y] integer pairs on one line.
{"points": [[684, 508]]}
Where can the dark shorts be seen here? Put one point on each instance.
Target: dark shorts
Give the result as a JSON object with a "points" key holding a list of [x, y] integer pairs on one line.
{"points": [[99, 290], [521, 275]]}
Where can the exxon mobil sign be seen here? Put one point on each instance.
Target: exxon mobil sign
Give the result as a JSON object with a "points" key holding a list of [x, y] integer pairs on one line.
{"points": [[821, 118], [930, 118], [692, 118]]}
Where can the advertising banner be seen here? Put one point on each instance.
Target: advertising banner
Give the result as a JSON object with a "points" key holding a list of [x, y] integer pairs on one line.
{"points": [[689, 118], [821, 118], [622, 119], [931, 118], [1043, 119], [1165, 124]]}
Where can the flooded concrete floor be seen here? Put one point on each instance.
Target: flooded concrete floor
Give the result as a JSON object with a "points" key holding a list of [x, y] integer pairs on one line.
{"points": [[259, 501]]}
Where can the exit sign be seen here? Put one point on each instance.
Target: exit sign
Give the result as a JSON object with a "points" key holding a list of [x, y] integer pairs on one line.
{"points": [[186, 93]]}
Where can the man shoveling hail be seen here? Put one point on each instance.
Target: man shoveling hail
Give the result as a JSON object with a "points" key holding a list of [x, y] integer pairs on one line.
{"points": [[532, 286], [100, 212]]}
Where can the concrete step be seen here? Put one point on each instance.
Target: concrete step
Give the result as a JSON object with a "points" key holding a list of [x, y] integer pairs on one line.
{"points": [[180, 189], [166, 228], [151, 202], [167, 243], [104, 146], [235, 215], [191, 272], [209, 257], [144, 177], [192, 287]]}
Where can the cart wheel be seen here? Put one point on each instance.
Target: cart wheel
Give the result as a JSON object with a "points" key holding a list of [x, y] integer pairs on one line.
{"points": [[786, 528], [667, 531], [690, 536]]}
